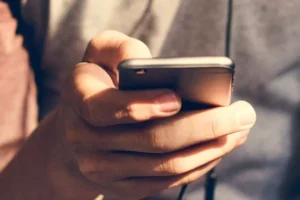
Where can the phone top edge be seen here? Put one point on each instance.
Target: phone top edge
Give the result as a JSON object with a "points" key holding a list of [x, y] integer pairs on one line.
{"points": [[188, 62]]}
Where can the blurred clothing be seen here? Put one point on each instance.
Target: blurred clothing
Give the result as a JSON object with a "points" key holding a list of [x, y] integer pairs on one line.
{"points": [[18, 106]]}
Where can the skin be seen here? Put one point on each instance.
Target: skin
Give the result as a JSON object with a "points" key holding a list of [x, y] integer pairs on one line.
{"points": [[123, 145]]}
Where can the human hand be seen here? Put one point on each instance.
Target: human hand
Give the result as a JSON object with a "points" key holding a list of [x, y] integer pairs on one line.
{"points": [[129, 145]]}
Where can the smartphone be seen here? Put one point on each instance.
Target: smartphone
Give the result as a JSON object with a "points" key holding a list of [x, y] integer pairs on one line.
{"points": [[201, 82]]}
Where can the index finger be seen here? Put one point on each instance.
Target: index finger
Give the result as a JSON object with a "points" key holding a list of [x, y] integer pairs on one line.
{"points": [[96, 98]]}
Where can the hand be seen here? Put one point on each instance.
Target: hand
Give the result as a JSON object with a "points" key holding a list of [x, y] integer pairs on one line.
{"points": [[128, 145]]}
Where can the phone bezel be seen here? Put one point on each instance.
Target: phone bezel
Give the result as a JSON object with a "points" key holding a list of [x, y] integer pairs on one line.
{"points": [[184, 62]]}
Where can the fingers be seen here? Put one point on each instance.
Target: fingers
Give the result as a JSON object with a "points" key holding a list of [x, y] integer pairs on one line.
{"points": [[188, 129], [174, 133], [142, 187], [135, 164], [184, 161], [153, 154], [192, 128], [137, 187]]}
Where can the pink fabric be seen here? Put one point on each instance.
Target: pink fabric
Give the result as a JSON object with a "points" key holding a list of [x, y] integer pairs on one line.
{"points": [[18, 108]]}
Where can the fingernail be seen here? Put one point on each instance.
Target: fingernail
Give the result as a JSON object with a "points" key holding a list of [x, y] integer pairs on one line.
{"points": [[247, 118], [167, 102]]}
